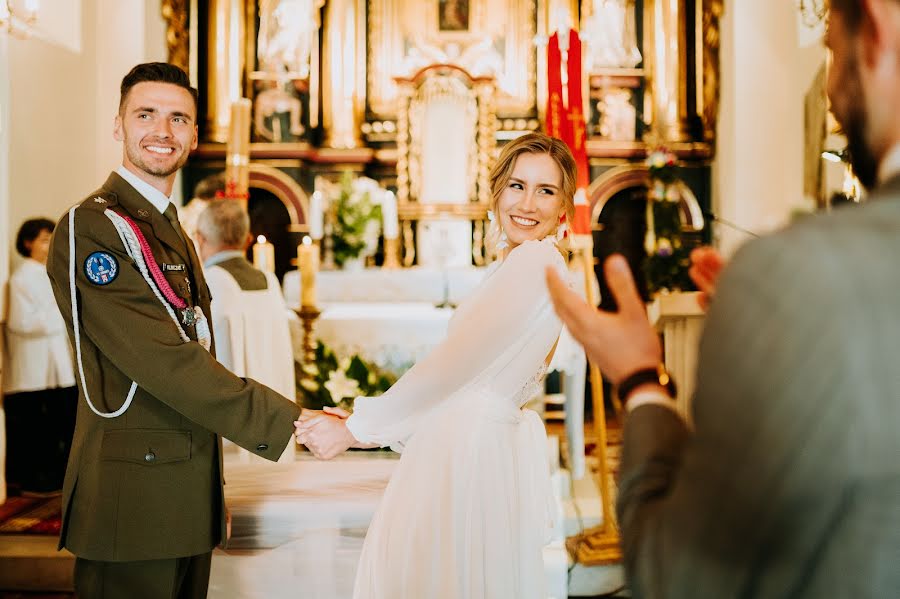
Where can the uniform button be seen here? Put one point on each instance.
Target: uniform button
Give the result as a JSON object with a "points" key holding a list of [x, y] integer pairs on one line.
{"points": [[262, 447], [149, 456]]}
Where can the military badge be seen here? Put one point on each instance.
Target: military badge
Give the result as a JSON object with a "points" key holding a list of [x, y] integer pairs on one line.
{"points": [[144, 213], [101, 268], [100, 200]]}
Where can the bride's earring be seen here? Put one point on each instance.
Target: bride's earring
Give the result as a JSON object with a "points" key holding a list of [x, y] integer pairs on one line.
{"points": [[504, 241], [561, 231]]}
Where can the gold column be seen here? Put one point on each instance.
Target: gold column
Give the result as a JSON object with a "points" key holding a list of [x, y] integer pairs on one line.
{"points": [[665, 56], [225, 62], [344, 72]]}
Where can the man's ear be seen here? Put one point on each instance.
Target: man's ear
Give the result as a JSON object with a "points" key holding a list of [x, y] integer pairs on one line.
{"points": [[118, 134], [196, 138], [249, 241], [876, 30]]}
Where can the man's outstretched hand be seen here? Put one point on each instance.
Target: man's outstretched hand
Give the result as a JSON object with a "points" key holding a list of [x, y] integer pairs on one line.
{"points": [[619, 343]]}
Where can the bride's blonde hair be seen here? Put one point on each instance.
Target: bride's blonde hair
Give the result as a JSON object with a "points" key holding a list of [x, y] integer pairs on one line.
{"points": [[531, 143]]}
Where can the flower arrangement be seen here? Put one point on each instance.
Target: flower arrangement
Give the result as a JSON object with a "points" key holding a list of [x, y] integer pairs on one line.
{"points": [[662, 165], [336, 381], [668, 258], [354, 208]]}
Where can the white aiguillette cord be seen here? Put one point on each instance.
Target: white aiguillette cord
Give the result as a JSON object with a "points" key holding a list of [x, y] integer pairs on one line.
{"points": [[133, 247]]}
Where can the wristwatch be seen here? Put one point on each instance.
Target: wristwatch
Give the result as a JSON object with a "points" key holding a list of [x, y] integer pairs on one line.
{"points": [[658, 375]]}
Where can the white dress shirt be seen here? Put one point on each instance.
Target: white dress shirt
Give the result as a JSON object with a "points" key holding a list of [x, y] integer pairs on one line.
{"points": [[159, 200]]}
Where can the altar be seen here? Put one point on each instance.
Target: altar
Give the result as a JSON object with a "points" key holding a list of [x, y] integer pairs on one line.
{"points": [[428, 285]]}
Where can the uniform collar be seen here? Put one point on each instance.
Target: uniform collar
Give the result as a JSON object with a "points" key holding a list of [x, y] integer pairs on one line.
{"points": [[222, 256], [159, 200]]}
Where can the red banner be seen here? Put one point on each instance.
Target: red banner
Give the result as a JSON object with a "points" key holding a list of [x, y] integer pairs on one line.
{"points": [[576, 110], [558, 124]]}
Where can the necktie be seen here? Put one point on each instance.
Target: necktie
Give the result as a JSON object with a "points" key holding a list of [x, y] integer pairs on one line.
{"points": [[172, 214]]}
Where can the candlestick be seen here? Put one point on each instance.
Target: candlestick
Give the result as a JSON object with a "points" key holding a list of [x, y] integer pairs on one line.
{"points": [[264, 255], [308, 316], [316, 216], [391, 253], [389, 216], [308, 263]]}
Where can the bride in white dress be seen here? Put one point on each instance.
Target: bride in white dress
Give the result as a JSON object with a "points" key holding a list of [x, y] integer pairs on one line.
{"points": [[468, 508]]}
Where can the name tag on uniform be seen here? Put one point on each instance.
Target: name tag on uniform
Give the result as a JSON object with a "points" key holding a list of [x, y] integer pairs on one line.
{"points": [[173, 267]]}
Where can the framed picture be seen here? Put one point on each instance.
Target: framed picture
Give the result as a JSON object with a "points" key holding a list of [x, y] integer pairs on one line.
{"points": [[453, 15]]}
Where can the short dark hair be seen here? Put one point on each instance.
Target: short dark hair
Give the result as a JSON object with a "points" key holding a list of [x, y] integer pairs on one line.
{"points": [[29, 231], [158, 72], [209, 186]]}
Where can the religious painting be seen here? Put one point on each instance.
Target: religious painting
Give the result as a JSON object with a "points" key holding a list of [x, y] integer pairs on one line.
{"points": [[453, 15], [486, 38]]}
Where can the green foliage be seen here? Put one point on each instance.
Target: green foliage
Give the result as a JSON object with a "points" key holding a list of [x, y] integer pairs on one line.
{"points": [[334, 381], [668, 259]]}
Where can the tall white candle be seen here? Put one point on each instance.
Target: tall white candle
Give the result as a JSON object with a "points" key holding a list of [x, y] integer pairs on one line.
{"points": [[308, 263], [389, 216], [264, 255], [316, 216]]}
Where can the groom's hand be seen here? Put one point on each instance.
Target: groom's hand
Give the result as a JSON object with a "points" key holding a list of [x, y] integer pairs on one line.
{"points": [[325, 434]]}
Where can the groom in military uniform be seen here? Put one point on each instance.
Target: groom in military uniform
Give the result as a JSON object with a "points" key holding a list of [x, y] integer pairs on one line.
{"points": [[143, 497]]}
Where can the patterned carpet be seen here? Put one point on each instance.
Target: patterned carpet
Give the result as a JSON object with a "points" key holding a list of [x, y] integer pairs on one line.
{"points": [[30, 515]]}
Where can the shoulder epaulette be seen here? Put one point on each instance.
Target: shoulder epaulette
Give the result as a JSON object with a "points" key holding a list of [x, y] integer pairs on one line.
{"points": [[100, 200]]}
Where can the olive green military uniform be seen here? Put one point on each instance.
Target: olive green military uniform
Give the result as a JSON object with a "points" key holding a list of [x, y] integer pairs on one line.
{"points": [[146, 486]]}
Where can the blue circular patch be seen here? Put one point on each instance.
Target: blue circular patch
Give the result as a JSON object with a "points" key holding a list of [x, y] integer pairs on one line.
{"points": [[101, 268]]}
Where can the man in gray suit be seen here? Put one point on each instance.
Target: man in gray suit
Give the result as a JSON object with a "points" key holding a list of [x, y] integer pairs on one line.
{"points": [[789, 484]]}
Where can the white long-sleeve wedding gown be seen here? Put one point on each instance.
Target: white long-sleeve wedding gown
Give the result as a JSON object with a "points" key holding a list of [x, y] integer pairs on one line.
{"points": [[468, 508]]}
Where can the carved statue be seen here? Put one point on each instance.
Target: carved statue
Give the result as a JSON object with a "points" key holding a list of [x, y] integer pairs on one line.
{"points": [[286, 35], [277, 114], [610, 35], [618, 116]]}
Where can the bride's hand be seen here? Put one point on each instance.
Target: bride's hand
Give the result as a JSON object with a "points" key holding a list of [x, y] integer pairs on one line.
{"points": [[325, 435]]}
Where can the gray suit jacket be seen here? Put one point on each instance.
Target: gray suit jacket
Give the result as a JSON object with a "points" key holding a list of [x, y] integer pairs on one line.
{"points": [[790, 484]]}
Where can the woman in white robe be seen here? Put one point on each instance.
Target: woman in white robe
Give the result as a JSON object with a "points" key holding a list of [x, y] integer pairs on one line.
{"points": [[38, 379], [468, 508]]}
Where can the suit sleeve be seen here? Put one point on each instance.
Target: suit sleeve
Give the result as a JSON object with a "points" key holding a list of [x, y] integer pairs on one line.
{"points": [[759, 479], [129, 326]]}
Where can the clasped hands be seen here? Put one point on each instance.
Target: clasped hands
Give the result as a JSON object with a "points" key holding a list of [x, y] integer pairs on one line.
{"points": [[325, 432]]}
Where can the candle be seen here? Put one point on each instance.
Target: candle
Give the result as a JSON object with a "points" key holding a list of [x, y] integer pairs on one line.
{"points": [[308, 262], [389, 216], [316, 216], [238, 149], [264, 255]]}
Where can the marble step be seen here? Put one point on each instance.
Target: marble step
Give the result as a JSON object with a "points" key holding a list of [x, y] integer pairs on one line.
{"points": [[32, 563]]}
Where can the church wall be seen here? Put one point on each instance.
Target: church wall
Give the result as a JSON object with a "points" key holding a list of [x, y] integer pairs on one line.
{"points": [[766, 69], [63, 96]]}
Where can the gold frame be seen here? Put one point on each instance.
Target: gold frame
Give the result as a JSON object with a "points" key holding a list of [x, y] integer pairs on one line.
{"points": [[408, 208], [391, 22]]}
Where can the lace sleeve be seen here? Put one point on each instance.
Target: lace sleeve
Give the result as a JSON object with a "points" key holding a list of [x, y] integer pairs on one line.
{"points": [[499, 319]]}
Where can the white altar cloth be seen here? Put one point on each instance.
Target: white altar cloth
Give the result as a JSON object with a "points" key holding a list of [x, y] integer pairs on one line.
{"points": [[392, 335], [379, 285]]}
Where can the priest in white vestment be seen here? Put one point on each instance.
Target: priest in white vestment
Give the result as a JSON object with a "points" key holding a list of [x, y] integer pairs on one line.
{"points": [[249, 316]]}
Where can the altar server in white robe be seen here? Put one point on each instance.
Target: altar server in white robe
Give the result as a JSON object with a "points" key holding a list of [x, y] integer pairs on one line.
{"points": [[249, 316], [469, 506]]}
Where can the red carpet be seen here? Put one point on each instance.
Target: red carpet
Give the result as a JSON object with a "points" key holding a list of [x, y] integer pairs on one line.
{"points": [[31, 515]]}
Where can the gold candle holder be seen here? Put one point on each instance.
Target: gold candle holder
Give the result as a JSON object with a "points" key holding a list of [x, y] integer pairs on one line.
{"points": [[308, 316], [391, 254]]}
